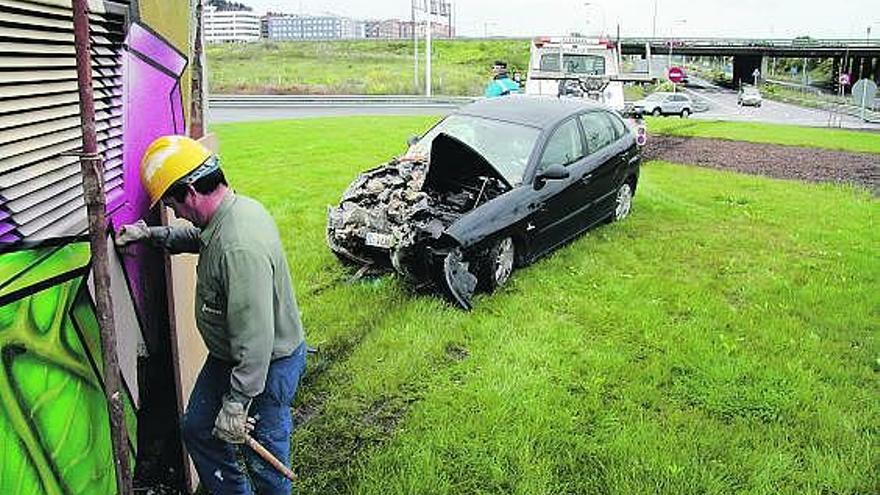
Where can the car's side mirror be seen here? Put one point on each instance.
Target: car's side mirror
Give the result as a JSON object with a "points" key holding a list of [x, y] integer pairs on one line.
{"points": [[552, 172], [412, 141]]}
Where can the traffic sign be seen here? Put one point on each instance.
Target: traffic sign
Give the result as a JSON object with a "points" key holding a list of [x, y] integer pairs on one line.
{"points": [[864, 92], [843, 79], [675, 74], [756, 73]]}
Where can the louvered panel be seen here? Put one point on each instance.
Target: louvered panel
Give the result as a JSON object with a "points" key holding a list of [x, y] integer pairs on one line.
{"points": [[36, 49], [43, 222], [74, 223], [29, 90], [34, 130], [35, 210], [30, 76], [18, 183], [35, 146], [13, 120], [9, 164], [40, 181], [36, 62], [34, 198], [30, 21], [35, 34], [37, 102], [61, 11]]}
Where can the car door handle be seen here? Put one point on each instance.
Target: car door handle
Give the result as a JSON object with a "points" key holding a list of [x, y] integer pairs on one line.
{"points": [[586, 178], [538, 205]]}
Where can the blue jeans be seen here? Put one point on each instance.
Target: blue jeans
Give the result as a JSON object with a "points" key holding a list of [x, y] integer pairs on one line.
{"points": [[215, 459]]}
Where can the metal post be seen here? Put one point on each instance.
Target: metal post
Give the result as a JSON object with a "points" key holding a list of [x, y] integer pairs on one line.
{"points": [[197, 108], [415, 28], [428, 35], [93, 192]]}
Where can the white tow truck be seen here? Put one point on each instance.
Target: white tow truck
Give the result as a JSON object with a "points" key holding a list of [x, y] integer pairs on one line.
{"points": [[581, 67], [577, 66]]}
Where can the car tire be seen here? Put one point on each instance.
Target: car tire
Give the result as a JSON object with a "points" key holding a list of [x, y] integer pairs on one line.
{"points": [[496, 265], [622, 202], [657, 112], [685, 113]]}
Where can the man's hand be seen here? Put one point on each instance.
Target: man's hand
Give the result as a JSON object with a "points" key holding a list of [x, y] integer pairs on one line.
{"points": [[134, 232], [232, 424]]}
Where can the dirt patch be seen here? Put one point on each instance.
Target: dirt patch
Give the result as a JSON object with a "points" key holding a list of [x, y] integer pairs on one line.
{"points": [[771, 160]]}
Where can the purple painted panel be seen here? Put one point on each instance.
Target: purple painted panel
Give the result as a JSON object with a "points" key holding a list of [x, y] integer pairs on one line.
{"points": [[152, 108], [155, 48], [9, 238]]}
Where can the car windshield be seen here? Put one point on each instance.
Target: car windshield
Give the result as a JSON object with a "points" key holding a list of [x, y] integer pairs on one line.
{"points": [[751, 92], [593, 65], [505, 146]]}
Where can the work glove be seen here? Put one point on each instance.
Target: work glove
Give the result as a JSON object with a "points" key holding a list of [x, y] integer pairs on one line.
{"points": [[232, 424], [133, 232]]}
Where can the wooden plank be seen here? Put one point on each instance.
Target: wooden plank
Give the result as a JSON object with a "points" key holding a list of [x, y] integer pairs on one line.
{"points": [[38, 102], [31, 90]]}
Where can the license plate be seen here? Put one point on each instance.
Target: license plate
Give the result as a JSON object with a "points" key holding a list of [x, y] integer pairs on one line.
{"points": [[378, 240]]}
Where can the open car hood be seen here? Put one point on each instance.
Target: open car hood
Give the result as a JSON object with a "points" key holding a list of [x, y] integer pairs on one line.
{"points": [[452, 159]]}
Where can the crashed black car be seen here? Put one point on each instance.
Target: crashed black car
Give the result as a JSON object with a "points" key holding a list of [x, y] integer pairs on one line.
{"points": [[493, 186]]}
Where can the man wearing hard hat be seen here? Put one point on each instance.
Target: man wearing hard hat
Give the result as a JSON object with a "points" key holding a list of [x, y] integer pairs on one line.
{"points": [[246, 313]]}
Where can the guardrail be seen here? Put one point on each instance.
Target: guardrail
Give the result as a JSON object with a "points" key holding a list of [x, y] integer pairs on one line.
{"points": [[274, 101]]}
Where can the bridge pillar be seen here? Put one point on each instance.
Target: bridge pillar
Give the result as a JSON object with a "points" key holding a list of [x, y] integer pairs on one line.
{"points": [[877, 70], [743, 68], [835, 74]]}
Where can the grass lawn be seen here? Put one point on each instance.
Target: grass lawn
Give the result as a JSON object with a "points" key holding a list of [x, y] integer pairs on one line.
{"points": [[460, 67], [723, 339], [834, 139]]}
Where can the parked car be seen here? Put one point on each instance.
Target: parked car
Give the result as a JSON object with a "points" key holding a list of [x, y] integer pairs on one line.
{"points": [[749, 96], [662, 103], [491, 187]]}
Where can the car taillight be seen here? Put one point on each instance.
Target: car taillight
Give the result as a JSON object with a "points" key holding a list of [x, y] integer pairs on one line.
{"points": [[641, 135]]}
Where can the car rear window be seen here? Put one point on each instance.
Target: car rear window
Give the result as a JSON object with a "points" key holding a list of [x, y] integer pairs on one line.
{"points": [[598, 130], [564, 147], [574, 64]]}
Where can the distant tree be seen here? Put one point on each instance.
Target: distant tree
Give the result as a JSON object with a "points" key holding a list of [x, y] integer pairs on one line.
{"points": [[225, 5]]}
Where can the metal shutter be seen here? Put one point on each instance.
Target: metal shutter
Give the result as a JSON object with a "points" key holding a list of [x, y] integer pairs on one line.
{"points": [[40, 130]]}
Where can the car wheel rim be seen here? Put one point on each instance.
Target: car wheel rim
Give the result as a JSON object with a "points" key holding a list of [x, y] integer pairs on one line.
{"points": [[624, 202], [504, 261]]}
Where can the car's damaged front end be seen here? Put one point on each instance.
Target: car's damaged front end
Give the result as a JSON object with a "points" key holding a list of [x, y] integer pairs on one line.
{"points": [[397, 217]]}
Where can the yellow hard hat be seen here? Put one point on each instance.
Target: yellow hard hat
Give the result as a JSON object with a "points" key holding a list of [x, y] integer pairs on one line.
{"points": [[167, 160]]}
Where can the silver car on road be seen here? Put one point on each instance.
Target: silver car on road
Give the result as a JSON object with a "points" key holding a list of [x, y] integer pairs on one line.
{"points": [[662, 103]]}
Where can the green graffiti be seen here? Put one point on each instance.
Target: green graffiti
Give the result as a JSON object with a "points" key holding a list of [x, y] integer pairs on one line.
{"points": [[53, 421]]}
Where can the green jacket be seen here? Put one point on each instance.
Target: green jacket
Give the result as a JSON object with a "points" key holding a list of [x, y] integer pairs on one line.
{"points": [[245, 307]]}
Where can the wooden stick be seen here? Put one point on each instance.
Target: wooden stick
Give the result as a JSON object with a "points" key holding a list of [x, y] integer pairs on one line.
{"points": [[271, 459]]}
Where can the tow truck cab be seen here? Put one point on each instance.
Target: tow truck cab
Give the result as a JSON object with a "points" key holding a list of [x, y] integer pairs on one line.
{"points": [[575, 66]]}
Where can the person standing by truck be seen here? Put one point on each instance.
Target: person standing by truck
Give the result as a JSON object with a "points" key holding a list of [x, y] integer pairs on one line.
{"points": [[501, 83]]}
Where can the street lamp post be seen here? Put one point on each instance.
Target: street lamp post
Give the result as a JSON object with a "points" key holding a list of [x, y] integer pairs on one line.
{"points": [[602, 11]]}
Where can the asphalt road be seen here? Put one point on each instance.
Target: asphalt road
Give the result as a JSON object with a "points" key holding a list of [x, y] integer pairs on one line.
{"points": [[722, 105], [221, 115]]}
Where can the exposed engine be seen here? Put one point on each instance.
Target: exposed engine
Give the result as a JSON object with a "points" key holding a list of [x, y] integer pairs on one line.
{"points": [[389, 210]]}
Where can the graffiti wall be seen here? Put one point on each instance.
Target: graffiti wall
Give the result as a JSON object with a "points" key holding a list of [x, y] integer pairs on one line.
{"points": [[53, 416]]}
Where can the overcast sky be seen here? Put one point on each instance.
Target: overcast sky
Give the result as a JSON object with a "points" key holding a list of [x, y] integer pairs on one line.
{"points": [[686, 18]]}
